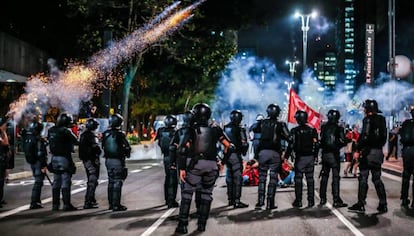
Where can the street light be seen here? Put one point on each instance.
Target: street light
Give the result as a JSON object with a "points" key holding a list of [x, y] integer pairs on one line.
{"points": [[292, 69], [305, 29]]}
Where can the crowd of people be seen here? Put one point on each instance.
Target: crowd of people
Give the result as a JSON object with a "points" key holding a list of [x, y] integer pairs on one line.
{"points": [[192, 159]]}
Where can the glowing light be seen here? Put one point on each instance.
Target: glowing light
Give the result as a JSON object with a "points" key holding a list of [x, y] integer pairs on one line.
{"points": [[67, 89]]}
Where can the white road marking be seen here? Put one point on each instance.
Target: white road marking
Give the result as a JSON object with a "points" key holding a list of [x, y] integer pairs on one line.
{"points": [[342, 218], [157, 223], [47, 200]]}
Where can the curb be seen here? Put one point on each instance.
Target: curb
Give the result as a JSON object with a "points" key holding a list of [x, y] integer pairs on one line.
{"points": [[27, 174]]}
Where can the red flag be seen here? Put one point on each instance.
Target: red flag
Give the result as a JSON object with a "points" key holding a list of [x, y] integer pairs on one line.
{"points": [[295, 103]]}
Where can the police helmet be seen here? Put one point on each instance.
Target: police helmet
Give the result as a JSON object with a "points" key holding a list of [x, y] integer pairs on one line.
{"points": [[92, 124], [333, 116], [170, 121], [115, 121], [259, 117], [371, 105], [202, 112], [273, 110], [236, 116], [301, 117], [64, 120], [35, 127], [188, 118]]}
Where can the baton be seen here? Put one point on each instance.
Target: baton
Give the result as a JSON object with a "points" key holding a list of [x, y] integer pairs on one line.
{"points": [[47, 176]]}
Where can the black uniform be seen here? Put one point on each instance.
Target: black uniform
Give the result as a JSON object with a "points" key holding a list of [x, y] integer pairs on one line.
{"points": [[61, 142], [164, 137], [332, 139], [4, 152], [233, 160], [116, 150], [406, 133], [89, 152], [200, 171], [36, 155], [256, 129], [303, 141], [372, 139], [270, 150]]}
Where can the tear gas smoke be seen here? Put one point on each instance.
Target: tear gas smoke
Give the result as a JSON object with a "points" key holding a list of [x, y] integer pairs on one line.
{"points": [[251, 84]]}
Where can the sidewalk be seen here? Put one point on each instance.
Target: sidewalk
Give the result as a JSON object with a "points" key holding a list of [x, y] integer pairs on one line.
{"points": [[144, 151]]}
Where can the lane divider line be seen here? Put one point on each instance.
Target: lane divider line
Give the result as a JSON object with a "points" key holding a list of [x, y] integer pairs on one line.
{"points": [[157, 223]]}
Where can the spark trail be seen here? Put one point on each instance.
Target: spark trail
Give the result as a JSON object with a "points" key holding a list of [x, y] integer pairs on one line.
{"points": [[67, 89]]}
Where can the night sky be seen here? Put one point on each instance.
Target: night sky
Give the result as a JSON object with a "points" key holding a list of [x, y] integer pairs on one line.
{"points": [[276, 34]]}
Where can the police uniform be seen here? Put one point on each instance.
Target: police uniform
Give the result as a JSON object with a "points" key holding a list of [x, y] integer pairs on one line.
{"points": [[372, 138], [332, 139], [4, 149], [270, 150], [304, 142], [255, 128], [61, 142], [164, 137], [116, 150], [35, 153], [237, 135], [200, 171], [406, 133], [89, 152]]}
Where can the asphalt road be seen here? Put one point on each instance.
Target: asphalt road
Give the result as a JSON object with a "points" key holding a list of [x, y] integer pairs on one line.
{"points": [[147, 214]]}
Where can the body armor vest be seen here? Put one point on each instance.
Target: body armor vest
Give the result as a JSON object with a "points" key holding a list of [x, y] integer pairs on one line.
{"points": [[330, 137], [374, 131], [112, 144], [303, 142], [233, 132], [59, 143], [165, 138], [407, 133], [205, 141], [89, 146]]}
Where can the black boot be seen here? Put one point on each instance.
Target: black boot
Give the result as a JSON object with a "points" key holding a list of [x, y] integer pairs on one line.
{"points": [[261, 196], [311, 191], [271, 191], [183, 217], [67, 205], [230, 194], [405, 202], [116, 200], [90, 201], [338, 203], [35, 200], [204, 213], [298, 192], [110, 194], [237, 194], [239, 204], [55, 199], [357, 207]]}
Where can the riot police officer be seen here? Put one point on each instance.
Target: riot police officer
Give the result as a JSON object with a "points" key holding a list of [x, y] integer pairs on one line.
{"points": [[61, 142], [270, 151], [89, 152], [4, 149], [255, 129], [406, 133], [116, 149], [36, 155], [303, 140], [164, 136], [237, 135], [332, 139], [369, 146], [200, 171]]}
